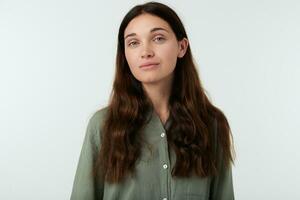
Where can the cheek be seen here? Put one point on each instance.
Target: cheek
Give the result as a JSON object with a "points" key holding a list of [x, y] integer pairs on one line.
{"points": [[169, 55], [128, 57], [131, 58]]}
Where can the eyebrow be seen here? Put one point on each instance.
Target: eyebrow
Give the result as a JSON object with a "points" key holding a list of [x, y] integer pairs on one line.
{"points": [[151, 31]]}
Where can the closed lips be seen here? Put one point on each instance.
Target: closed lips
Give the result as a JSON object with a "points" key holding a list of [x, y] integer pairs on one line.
{"points": [[147, 64]]}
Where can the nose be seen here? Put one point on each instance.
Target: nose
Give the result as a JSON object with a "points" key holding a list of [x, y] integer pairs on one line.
{"points": [[147, 52]]}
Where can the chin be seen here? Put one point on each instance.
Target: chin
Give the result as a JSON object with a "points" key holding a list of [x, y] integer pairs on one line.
{"points": [[150, 81]]}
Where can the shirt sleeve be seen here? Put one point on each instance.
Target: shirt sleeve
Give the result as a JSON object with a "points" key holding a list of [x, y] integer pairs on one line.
{"points": [[84, 185], [222, 184]]}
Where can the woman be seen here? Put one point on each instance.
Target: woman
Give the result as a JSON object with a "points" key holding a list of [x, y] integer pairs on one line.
{"points": [[160, 137]]}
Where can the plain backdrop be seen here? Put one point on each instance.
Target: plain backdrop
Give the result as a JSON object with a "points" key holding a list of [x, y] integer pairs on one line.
{"points": [[57, 67]]}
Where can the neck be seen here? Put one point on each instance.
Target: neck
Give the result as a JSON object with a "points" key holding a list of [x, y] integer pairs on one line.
{"points": [[159, 94]]}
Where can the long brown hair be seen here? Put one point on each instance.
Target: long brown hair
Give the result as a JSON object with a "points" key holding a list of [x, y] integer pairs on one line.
{"points": [[192, 114]]}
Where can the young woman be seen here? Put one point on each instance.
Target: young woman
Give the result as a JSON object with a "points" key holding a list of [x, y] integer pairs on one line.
{"points": [[160, 138]]}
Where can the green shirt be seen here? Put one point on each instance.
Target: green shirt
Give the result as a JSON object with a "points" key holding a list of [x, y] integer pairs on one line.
{"points": [[153, 179]]}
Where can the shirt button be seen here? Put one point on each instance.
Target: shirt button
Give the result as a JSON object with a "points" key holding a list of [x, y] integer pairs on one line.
{"points": [[165, 166], [162, 135], [164, 198]]}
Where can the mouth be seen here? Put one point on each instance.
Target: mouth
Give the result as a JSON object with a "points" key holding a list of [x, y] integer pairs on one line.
{"points": [[149, 65]]}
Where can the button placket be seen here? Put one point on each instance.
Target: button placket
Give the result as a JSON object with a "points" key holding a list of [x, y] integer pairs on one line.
{"points": [[165, 164], [164, 159]]}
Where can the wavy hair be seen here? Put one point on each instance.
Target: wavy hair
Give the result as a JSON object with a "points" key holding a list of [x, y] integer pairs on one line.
{"points": [[192, 114]]}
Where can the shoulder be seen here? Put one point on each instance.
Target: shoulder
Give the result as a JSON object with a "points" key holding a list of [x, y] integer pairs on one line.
{"points": [[96, 120], [93, 130], [98, 117]]}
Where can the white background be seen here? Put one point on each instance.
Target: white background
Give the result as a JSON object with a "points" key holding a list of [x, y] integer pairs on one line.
{"points": [[57, 67]]}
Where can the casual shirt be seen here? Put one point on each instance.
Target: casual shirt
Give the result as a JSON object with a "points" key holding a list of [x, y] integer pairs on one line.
{"points": [[153, 180]]}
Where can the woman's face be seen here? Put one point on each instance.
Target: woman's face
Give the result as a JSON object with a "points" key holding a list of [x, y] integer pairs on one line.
{"points": [[149, 39]]}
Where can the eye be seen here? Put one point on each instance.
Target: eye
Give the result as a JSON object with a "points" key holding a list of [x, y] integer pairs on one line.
{"points": [[159, 39], [133, 43]]}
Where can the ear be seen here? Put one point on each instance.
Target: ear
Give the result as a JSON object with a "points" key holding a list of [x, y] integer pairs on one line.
{"points": [[183, 45]]}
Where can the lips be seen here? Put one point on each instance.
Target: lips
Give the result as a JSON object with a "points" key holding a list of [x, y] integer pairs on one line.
{"points": [[148, 64]]}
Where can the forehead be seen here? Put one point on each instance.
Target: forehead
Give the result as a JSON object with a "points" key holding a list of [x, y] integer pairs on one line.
{"points": [[144, 23]]}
